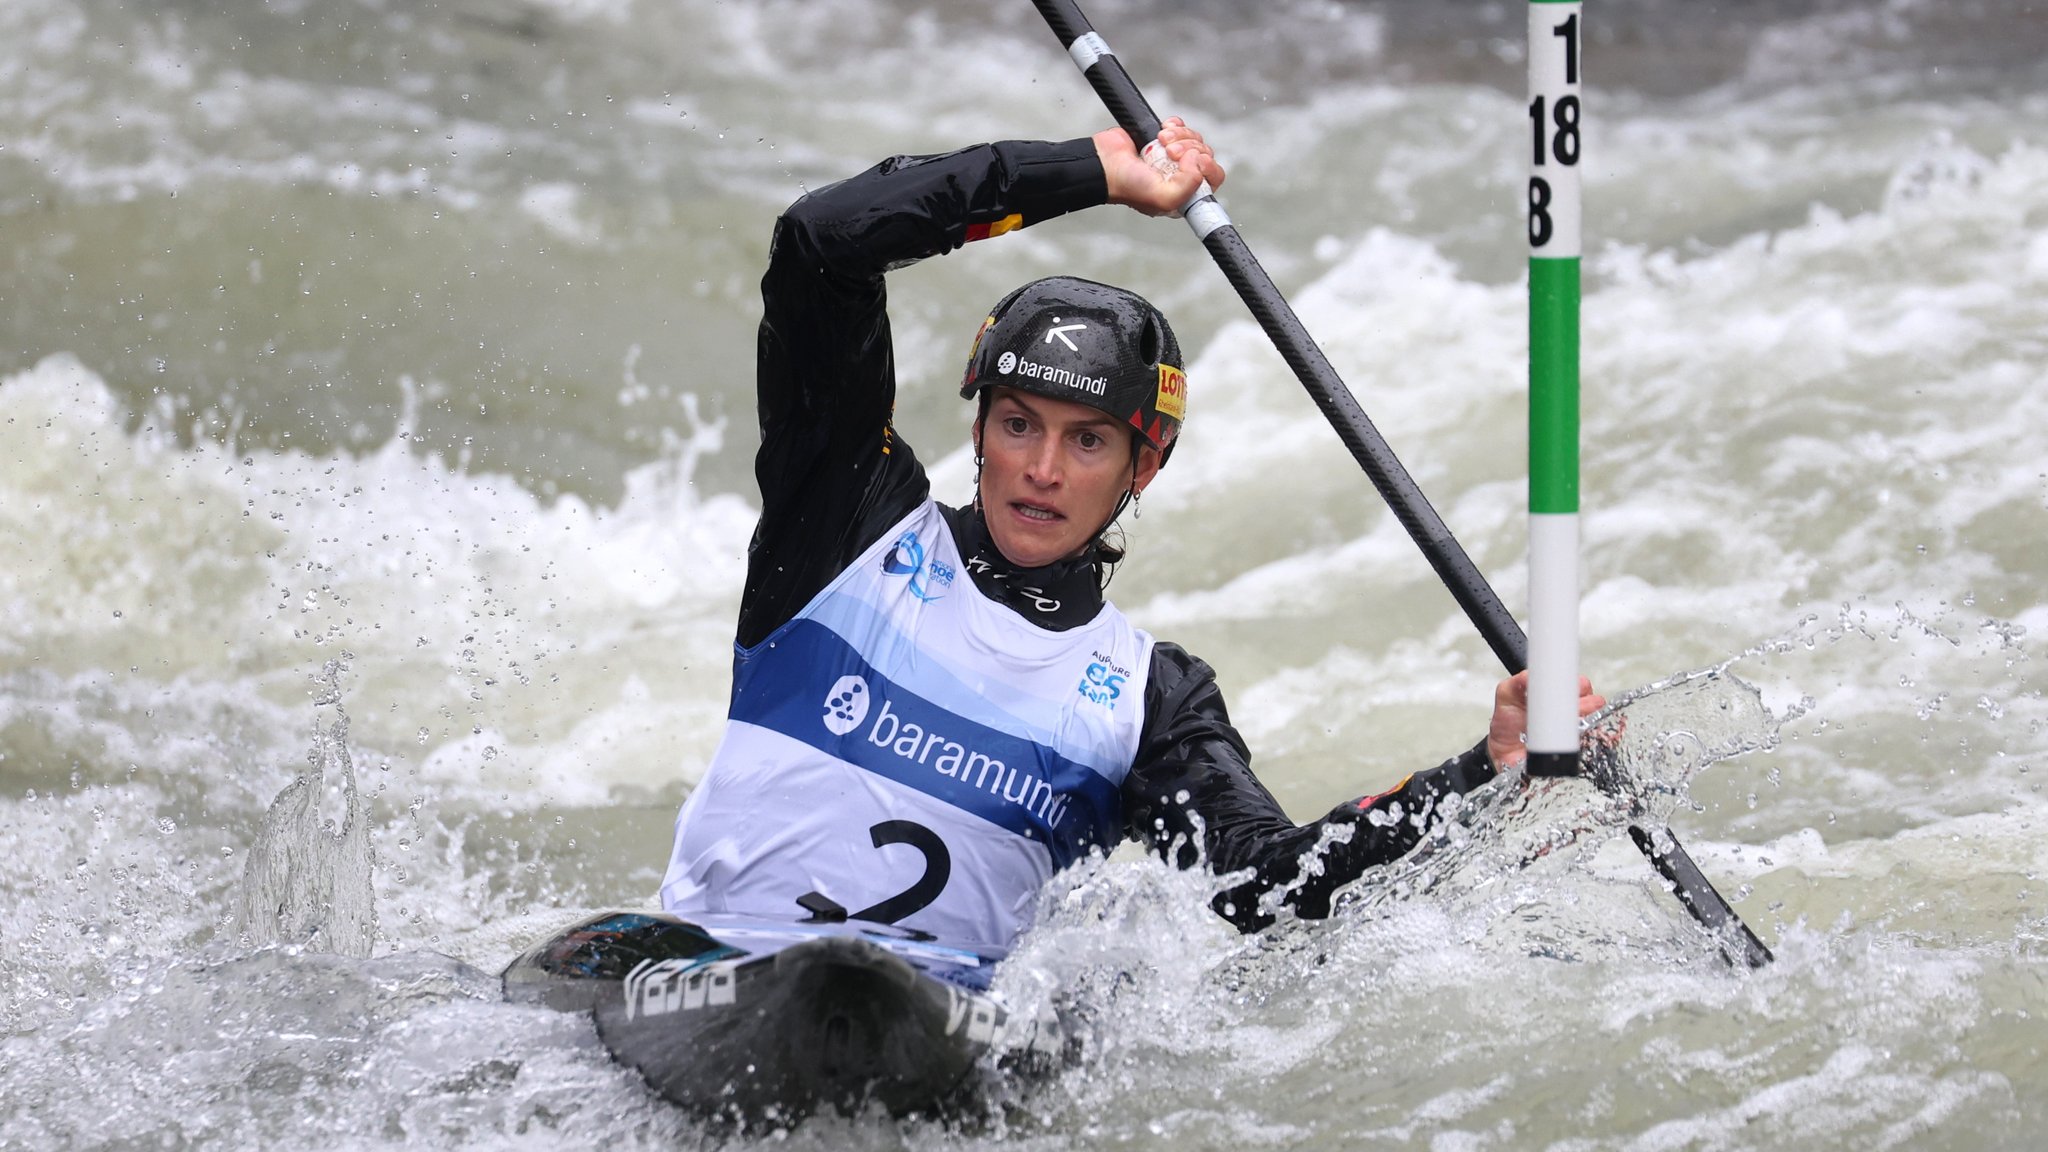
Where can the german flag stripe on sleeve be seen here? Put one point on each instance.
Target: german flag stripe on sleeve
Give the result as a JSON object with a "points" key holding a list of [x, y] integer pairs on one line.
{"points": [[1010, 223]]}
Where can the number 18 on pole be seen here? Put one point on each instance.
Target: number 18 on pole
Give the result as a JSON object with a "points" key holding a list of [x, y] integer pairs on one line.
{"points": [[1553, 214]]}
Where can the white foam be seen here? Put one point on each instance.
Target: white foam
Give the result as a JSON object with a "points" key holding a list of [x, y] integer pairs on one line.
{"points": [[467, 602], [556, 206], [1812, 335], [1380, 314]]}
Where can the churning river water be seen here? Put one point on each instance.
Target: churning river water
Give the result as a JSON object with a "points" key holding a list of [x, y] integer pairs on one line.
{"points": [[375, 414]]}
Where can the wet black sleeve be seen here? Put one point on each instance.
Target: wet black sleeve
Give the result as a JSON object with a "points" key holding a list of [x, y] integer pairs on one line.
{"points": [[1192, 785], [832, 474]]}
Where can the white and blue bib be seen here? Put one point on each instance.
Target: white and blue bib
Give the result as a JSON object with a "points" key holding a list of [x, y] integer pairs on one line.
{"points": [[913, 752]]}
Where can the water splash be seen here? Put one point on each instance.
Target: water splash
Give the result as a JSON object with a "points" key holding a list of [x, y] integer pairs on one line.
{"points": [[233, 1052], [1512, 863], [1650, 742], [307, 881]]}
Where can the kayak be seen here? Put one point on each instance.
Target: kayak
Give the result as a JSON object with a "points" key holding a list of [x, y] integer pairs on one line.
{"points": [[751, 1019]]}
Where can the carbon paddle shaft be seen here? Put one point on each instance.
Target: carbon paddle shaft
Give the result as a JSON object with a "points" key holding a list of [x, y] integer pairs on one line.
{"points": [[1133, 113]]}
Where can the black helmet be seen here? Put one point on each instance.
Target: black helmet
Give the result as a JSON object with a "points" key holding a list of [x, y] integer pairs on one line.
{"points": [[1089, 343]]}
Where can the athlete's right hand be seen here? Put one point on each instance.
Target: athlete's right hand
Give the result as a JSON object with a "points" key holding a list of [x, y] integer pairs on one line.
{"points": [[1135, 182], [1506, 735]]}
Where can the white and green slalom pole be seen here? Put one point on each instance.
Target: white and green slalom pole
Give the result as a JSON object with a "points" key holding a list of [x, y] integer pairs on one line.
{"points": [[1554, 387], [1556, 31]]}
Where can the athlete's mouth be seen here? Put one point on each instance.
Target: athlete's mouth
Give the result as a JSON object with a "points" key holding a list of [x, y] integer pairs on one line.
{"points": [[1034, 512]]}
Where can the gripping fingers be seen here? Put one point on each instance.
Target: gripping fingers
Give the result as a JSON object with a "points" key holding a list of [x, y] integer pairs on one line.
{"points": [[1162, 160], [1189, 152]]}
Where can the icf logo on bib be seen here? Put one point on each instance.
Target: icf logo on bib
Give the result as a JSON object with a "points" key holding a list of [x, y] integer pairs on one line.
{"points": [[846, 705]]}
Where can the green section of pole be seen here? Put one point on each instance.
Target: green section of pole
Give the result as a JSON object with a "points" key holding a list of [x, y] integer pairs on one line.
{"points": [[1553, 385]]}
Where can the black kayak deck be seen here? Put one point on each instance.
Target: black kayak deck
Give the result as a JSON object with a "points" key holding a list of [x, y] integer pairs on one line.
{"points": [[753, 1019]]}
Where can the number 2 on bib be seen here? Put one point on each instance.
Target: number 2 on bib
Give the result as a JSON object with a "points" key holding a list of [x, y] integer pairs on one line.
{"points": [[938, 868]]}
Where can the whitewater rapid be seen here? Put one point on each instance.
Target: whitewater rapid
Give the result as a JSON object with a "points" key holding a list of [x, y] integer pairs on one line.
{"points": [[393, 366]]}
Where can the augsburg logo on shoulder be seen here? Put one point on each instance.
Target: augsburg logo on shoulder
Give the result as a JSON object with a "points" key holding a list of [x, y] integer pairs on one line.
{"points": [[1102, 683]]}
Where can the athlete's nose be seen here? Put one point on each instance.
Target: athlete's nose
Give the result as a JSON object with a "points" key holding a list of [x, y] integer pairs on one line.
{"points": [[1042, 467]]}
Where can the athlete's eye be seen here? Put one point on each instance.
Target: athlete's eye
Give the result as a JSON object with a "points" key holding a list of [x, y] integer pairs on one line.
{"points": [[1090, 441], [1016, 425]]}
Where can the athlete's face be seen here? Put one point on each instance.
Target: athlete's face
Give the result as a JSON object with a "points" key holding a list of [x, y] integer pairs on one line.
{"points": [[1051, 473]]}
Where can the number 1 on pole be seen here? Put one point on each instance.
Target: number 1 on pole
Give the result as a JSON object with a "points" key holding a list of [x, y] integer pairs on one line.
{"points": [[1554, 149]]}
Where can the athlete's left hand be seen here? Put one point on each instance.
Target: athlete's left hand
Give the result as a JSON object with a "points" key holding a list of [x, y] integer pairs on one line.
{"points": [[1134, 181], [1506, 735]]}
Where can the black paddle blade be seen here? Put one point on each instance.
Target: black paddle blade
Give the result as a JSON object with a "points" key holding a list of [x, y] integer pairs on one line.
{"points": [[1700, 898]]}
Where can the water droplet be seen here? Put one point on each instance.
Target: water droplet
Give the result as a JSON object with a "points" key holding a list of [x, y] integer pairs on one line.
{"points": [[423, 735]]}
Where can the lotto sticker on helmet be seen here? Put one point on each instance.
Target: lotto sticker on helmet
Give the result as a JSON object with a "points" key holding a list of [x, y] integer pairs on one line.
{"points": [[1173, 392]]}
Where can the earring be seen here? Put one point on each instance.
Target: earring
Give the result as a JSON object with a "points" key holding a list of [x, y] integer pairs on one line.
{"points": [[1137, 509]]}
